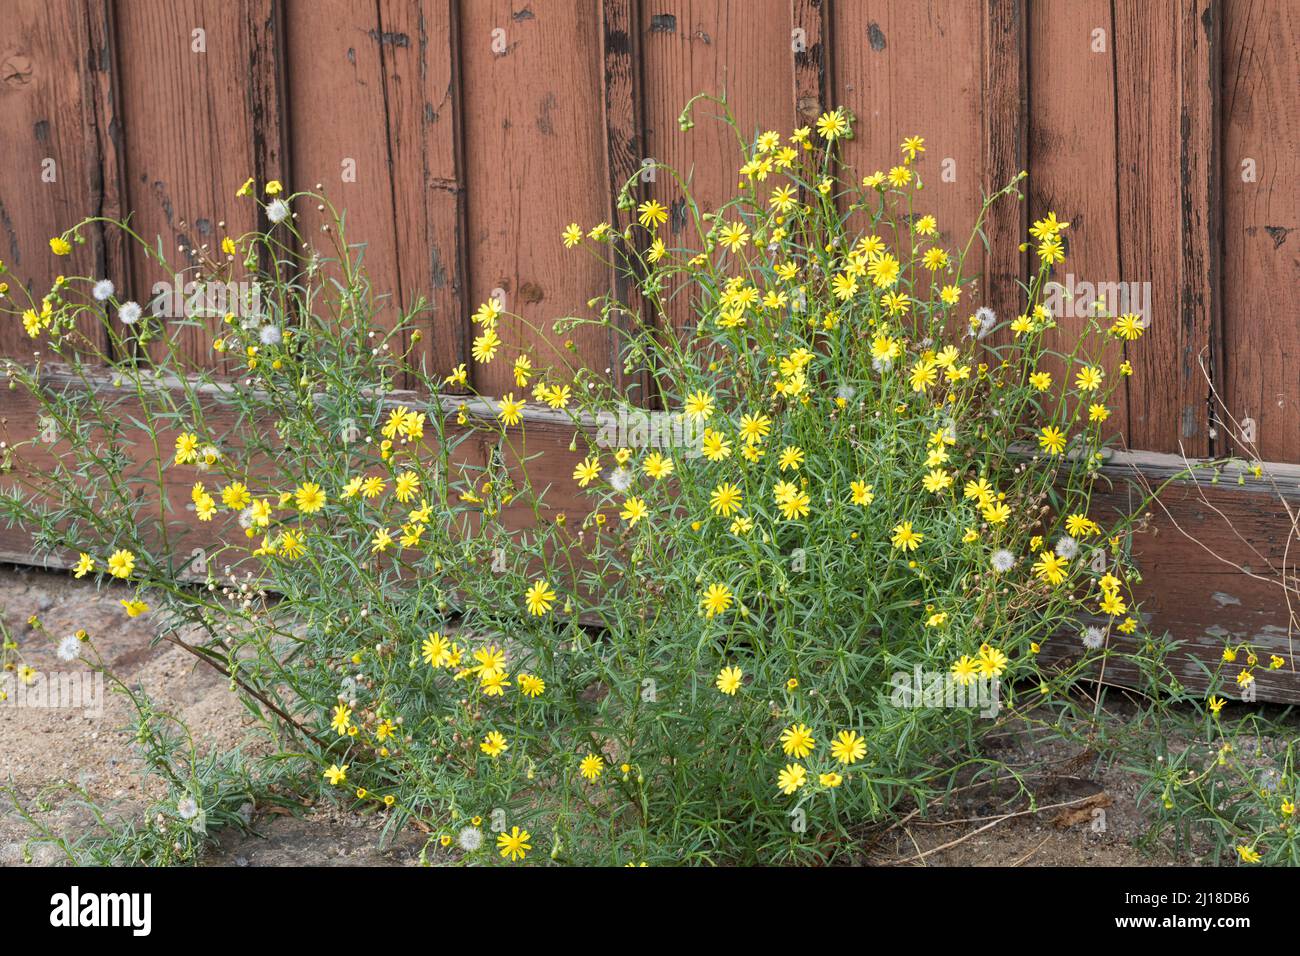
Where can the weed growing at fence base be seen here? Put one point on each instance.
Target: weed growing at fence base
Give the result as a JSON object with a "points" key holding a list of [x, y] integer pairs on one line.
{"points": [[481, 619]]}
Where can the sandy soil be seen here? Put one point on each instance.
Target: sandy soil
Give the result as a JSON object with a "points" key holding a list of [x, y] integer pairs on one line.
{"points": [[41, 746]]}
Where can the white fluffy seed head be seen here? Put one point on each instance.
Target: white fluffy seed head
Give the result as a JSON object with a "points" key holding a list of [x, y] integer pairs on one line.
{"points": [[470, 839]]}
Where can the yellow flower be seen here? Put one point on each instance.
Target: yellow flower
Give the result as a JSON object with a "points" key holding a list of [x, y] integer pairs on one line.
{"points": [[861, 493], [511, 412], [60, 246], [587, 471], [336, 774], [734, 236], [1113, 604], [729, 679], [699, 406], [494, 744], [1051, 567], [1216, 704], [717, 599], [539, 598], [121, 563], [342, 719], [658, 466], [965, 670], [531, 685], [831, 779], [435, 649], [726, 499], [85, 564], [1052, 440], [992, 661], [904, 538], [848, 747], [485, 346], [634, 509], [794, 504], [572, 235], [406, 487], [187, 448], [134, 607], [652, 213], [1247, 854], [797, 740], [514, 845], [937, 480], [309, 497], [833, 125], [791, 778], [1089, 378], [996, 512], [1128, 326], [714, 445], [591, 766]]}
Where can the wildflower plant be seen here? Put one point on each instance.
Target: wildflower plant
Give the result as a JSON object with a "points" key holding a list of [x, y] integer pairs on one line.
{"points": [[606, 652]]}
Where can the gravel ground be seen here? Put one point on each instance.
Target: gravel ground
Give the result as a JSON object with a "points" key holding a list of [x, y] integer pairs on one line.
{"points": [[39, 747]]}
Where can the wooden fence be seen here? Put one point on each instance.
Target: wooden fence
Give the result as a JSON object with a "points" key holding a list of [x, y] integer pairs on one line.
{"points": [[462, 136]]}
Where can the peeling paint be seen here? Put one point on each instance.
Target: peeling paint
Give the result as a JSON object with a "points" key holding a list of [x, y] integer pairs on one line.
{"points": [[389, 38], [1278, 234]]}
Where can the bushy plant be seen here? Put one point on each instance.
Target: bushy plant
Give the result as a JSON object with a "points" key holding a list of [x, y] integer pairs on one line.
{"points": [[705, 651]]}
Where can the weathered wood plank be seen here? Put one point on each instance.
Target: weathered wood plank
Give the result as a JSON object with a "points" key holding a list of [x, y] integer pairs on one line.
{"points": [[885, 56], [208, 76], [531, 82], [1220, 567], [1005, 130], [336, 64], [421, 63], [58, 108], [692, 47], [814, 73], [1166, 70], [1260, 360], [1073, 156], [624, 150]]}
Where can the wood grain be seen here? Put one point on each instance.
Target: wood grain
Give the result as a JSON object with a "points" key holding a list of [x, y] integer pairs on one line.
{"points": [[336, 53], [1261, 229], [885, 55], [1073, 156], [533, 150], [1220, 567], [740, 49], [624, 150], [61, 151], [813, 70], [1005, 151], [1166, 61], [423, 110], [197, 124]]}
